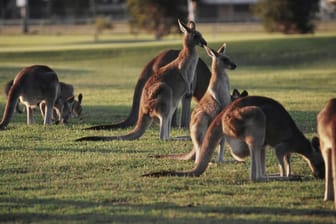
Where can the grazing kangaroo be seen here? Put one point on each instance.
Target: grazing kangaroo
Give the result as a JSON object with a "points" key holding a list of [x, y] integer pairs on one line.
{"points": [[326, 128], [200, 84], [164, 89], [34, 85], [213, 102], [64, 111], [66, 93], [249, 124], [77, 106]]}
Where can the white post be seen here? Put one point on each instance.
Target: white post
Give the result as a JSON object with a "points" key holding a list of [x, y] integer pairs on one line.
{"points": [[24, 11]]}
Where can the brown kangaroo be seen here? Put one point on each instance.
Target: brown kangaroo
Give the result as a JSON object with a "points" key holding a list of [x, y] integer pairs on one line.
{"points": [[212, 103], [200, 84], [326, 127], [33, 85], [249, 124], [63, 110], [164, 89]]}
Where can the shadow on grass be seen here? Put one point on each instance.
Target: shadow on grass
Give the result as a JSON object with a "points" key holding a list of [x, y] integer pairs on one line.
{"points": [[122, 212]]}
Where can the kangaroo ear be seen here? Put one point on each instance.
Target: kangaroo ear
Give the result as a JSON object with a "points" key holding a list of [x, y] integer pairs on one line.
{"points": [[222, 49], [244, 93], [80, 98], [315, 142], [235, 93], [210, 52], [183, 27], [192, 25]]}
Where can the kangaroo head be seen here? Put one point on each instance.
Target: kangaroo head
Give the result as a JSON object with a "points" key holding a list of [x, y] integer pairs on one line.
{"points": [[236, 94], [64, 107], [77, 106], [316, 162], [191, 36], [221, 59]]}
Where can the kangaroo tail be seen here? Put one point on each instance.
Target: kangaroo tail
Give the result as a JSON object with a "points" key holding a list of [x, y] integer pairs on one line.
{"points": [[183, 156], [133, 115], [212, 138], [13, 95], [143, 123]]}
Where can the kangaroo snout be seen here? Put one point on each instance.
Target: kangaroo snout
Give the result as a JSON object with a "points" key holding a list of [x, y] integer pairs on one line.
{"points": [[233, 66], [203, 43]]}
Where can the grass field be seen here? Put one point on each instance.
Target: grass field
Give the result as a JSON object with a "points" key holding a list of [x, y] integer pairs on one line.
{"points": [[46, 177]]}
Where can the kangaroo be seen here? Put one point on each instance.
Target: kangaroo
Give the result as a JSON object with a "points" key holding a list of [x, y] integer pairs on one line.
{"points": [[74, 109], [212, 103], [249, 124], [165, 88], [200, 84], [63, 110], [77, 106], [326, 128], [33, 85]]}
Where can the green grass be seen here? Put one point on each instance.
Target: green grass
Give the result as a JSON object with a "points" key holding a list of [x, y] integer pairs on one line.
{"points": [[47, 177]]}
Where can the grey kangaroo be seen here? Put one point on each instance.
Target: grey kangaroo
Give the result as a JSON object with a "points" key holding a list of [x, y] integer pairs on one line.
{"points": [[212, 103], [200, 85], [164, 89], [66, 92], [249, 124], [34, 85], [326, 128]]}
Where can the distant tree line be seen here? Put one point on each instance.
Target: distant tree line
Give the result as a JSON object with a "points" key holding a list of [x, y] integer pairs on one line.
{"points": [[159, 16], [47, 8], [288, 16]]}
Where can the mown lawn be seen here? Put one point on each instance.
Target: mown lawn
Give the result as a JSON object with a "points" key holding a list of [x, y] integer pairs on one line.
{"points": [[46, 177]]}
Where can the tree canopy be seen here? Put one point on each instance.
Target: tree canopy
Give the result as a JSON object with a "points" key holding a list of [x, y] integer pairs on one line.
{"points": [[288, 16], [156, 16]]}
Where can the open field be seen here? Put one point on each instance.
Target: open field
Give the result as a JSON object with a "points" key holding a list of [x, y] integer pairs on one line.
{"points": [[46, 177]]}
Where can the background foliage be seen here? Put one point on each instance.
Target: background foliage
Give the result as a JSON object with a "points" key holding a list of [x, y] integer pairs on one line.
{"points": [[158, 17], [288, 16]]}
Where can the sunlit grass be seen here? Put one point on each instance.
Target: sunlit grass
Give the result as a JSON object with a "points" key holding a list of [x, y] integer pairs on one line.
{"points": [[47, 177]]}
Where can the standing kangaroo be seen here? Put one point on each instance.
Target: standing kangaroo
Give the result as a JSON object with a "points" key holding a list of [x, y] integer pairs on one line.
{"points": [[34, 85], [212, 103], [326, 127], [200, 84], [249, 124], [164, 89]]}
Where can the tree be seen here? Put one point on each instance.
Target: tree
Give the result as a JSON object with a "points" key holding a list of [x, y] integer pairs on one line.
{"points": [[156, 16], [288, 16]]}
